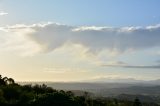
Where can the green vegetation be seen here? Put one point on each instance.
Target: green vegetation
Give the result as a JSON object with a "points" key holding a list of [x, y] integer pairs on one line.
{"points": [[13, 94]]}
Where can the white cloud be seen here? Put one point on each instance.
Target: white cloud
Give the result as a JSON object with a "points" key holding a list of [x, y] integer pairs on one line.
{"points": [[85, 28], [114, 78], [125, 65], [3, 13], [114, 63], [17, 43], [58, 70], [51, 36]]}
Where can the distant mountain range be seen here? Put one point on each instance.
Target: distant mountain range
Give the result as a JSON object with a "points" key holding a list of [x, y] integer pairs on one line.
{"points": [[117, 88], [98, 84], [125, 80], [133, 90]]}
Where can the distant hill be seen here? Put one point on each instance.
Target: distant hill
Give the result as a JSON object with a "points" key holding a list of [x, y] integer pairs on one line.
{"points": [[81, 85], [134, 90], [109, 89], [125, 80], [89, 94], [143, 98]]}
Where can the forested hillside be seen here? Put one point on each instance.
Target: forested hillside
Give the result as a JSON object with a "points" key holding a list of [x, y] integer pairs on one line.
{"points": [[13, 94]]}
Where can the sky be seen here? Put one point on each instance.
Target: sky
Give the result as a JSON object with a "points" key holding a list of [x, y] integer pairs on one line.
{"points": [[80, 40]]}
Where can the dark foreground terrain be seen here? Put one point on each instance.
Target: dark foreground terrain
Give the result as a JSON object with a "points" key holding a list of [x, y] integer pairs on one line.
{"points": [[13, 94]]}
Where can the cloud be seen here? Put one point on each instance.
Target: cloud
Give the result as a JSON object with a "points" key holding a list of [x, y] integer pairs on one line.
{"points": [[57, 70], [17, 43], [125, 65], [3, 13], [147, 67], [114, 78], [158, 61], [50, 36]]}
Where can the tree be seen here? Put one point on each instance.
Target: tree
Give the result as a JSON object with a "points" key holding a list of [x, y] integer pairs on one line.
{"points": [[2, 82], [10, 81], [11, 93], [6, 80], [137, 102], [2, 99]]}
